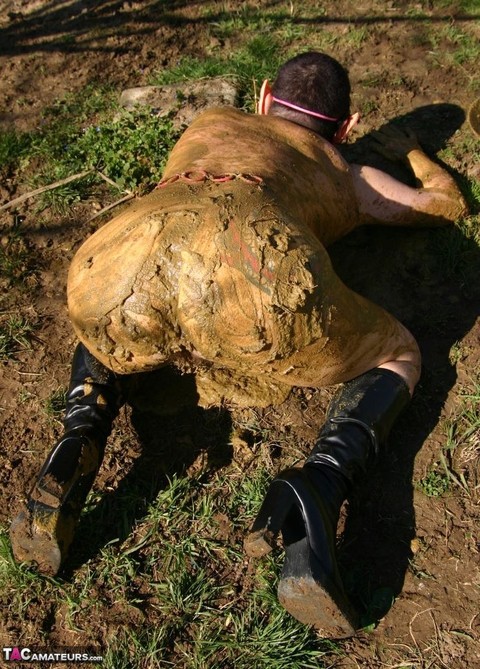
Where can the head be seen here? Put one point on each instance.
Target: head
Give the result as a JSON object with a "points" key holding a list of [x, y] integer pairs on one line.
{"points": [[316, 83]]}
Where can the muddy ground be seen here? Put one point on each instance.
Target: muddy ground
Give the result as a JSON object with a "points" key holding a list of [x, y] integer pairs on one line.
{"points": [[426, 548]]}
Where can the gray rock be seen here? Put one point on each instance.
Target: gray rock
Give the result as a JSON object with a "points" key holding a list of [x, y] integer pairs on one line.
{"points": [[185, 99]]}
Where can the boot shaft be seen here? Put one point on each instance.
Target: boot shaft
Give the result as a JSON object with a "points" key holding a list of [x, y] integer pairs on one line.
{"points": [[93, 401], [373, 401], [359, 420], [94, 395]]}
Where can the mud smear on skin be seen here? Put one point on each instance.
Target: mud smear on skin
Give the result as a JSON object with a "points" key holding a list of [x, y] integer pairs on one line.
{"points": [[202, 292], [230, 274]]}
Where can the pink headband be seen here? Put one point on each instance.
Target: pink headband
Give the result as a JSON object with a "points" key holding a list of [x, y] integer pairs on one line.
{"points": [[305, 111]]}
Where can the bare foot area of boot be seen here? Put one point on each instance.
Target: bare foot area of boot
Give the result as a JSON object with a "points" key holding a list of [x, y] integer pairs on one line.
{"points": [[307, 601], [34, 544]]}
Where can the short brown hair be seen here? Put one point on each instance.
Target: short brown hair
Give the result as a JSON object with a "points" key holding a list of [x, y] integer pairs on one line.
{"points": [[316, 82]]}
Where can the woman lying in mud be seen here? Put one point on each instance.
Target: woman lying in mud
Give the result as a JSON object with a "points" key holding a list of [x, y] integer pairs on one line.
{"points": [[223, 270]]}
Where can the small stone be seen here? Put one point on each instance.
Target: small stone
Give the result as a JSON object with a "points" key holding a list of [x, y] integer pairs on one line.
{"points": [[415, 545], [186, 99]]}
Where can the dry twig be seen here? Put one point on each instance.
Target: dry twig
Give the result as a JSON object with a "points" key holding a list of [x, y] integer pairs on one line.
{"points": [[43, 189], [111, 206]]}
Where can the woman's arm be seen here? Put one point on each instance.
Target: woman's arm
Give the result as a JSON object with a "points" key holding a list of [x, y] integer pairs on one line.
{"points": [[381, 198]]}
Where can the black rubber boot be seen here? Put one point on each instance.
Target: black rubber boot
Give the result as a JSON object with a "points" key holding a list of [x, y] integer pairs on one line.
{"points": [[304, 504], [41, 534]]}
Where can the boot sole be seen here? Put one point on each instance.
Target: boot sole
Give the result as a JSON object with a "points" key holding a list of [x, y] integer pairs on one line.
{"points": [[34, 542], [306, 593], [310, 604]]}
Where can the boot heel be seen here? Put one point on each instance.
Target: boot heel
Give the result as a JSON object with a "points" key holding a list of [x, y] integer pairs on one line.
{"points": [[42, 532], [269, 521], [311, 596], [310, 586]]}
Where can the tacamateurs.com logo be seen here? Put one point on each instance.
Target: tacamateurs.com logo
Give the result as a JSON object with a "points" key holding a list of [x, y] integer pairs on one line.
{"points": [[23, 654]]}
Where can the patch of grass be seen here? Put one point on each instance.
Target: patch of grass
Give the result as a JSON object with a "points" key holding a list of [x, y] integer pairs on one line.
{"points": [[130, 149], [258, 59], [462, 444], [467, 6], [179, 570], [15, 335], [368, 107], [434, 484], [471, 191], [456, 46], [457, 251], [261, 635], [142, 647], [245, 500], [461, 448], [280, 24], [470, 6], [60, 199], [374, 79], [18, 586], [86, 131], [328, 41], [458, 352], [22, 587], [357, 36], [63, 121], [16, 260], [244, 19], [14, 147], [467, 48], [92, 102], [55, 404]]}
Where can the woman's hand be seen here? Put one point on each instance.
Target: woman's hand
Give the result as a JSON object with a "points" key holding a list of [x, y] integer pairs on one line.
{"points": [[395, 144]]}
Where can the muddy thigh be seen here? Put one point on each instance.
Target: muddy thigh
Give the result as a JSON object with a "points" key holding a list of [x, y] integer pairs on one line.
{"points": [[122, 284], [358, 335]]}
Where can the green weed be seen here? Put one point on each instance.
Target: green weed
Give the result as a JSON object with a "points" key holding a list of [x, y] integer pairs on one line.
{"points": [[142, 647], [16, 260], [457, 249], [467, 6], [93, 102], [458, 352], [229, 23], [434, 484], [14, 148], [131, 150], [261, 635], [357, 36], [292, 33], [55, 404], [467, 48], [188, 573], [324, 40], [471, 191], [245, 500], [15, 335], [462, 446], [82, 132], [368, 107], [456, 46], [63, 197]]}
